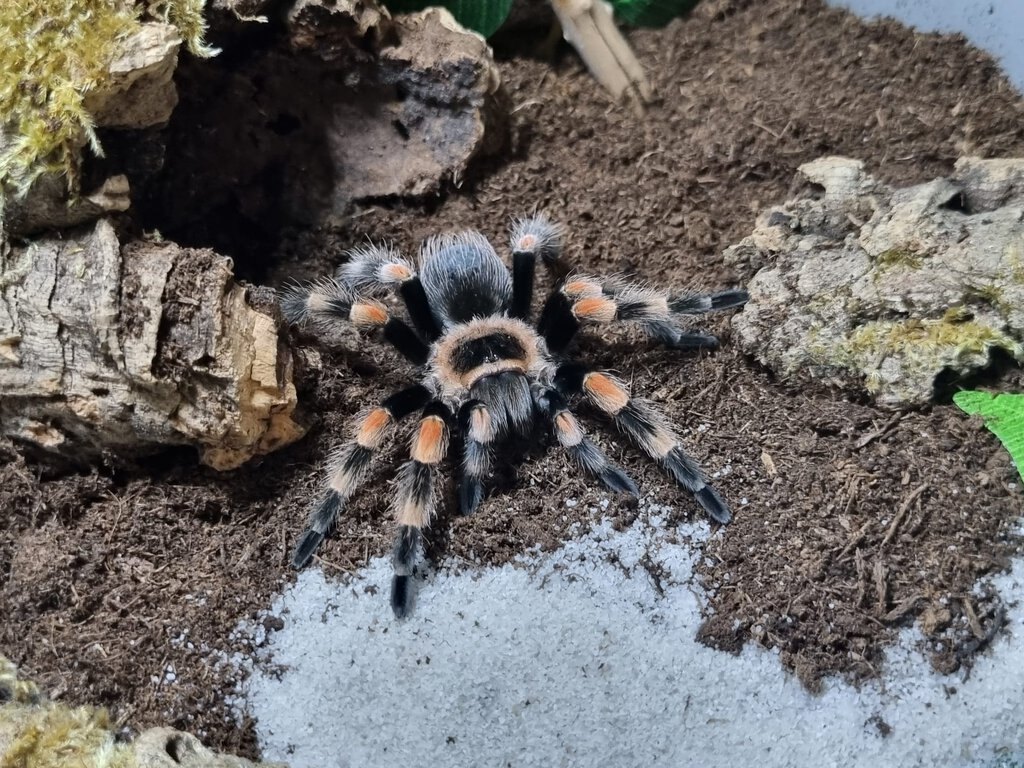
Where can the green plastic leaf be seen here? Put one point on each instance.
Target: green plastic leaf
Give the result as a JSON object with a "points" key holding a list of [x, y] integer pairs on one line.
{"points": [[1003, 415], [651, 13], [483, 16]]}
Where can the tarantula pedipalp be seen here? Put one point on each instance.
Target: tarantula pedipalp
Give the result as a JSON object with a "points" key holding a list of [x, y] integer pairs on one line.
{"points": [[489, 375]]}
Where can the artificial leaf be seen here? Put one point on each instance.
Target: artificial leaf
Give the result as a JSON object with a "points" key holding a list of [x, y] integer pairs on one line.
{"points": [[651, 13], [1003, 415]]}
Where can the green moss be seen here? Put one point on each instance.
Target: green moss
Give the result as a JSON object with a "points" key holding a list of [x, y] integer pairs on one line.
{"points": [[55, 52], [48, 735], [957, 314], [187, 16], [55, 736], [925, 339], [1016, 263], [991, 294], [907, 257], [13, 689]]}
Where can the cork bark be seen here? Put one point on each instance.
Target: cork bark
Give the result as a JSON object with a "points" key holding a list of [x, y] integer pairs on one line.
{"points": [[112, 350]]}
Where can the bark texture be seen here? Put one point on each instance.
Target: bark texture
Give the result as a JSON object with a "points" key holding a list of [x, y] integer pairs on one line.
{"points": [[111, 349]]}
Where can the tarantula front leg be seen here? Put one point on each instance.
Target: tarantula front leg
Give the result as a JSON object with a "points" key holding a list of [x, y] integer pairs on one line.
{"points": [[647, 428], [414, 502], [583, 452], [533, 238], [325, 304], [351, 463], [588, 300], [374, 269]]}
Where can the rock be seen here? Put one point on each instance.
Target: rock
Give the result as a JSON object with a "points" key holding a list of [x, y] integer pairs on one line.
{"points": [[119, 350], [46, 206], [139, 91], [441, 106], [168, 748], [37, 732], [884, 290], [339, 30]]}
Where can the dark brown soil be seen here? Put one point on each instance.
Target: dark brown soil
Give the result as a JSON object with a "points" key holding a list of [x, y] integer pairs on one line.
{"points": [[859, 520]]}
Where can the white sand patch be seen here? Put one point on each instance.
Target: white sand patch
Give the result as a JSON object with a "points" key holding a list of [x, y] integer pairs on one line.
{"points": [[575, 658]]}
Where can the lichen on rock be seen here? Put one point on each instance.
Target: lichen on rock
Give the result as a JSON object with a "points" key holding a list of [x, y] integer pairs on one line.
{"points": [[38, 733], [885, 290]]}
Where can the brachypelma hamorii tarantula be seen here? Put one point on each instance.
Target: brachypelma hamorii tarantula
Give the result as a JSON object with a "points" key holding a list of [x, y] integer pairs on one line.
{"points": [[490, 376]]}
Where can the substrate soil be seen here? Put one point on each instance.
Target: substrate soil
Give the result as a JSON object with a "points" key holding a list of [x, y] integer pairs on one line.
{"points": [[122, 587]]}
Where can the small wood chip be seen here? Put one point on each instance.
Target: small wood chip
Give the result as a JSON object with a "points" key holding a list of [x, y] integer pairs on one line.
{"points": [[902, 512]]}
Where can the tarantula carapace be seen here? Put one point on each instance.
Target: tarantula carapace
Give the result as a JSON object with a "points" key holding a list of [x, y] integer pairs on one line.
{"points": [[488, 375]]}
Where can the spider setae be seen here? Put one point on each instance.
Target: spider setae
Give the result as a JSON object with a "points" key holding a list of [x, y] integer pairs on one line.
{"points": [[490, 376]]}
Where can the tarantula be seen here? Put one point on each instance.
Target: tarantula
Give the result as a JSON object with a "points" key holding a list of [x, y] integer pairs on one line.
{"points": [[488, 375]]}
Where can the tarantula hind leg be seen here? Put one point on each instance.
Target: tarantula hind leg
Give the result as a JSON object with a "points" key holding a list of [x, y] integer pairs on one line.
{"points": [[414, 501], [403, 558], [351, 463], [477, 430], [647, 429], [583, 452]]}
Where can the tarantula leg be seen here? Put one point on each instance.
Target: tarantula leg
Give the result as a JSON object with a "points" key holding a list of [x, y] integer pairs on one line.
{"points": [[477, 428], [351, 463], [532, 238], [414, 503], [557, 323], [325, 304], [648, 429], [373, 269], [700, 303], [583, 452], [593, 301]]}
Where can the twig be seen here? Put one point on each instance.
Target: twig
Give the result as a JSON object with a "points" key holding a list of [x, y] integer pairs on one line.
{"points": [[902, 512], [870, 437]]}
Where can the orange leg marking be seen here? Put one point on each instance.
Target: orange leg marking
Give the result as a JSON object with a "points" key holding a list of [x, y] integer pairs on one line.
{"points": [[597, 309], [569, 432], [431, 441], [374, 427], [398, 272], [368, 314], [480, 427], [606, 393], [582, 288]]}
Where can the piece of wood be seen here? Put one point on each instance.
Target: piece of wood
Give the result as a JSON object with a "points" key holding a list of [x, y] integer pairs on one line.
{"points": [[112, 350], [589, 27]]}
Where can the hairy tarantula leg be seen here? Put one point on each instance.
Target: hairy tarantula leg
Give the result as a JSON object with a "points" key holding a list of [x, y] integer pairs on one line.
{"points": [[351, 464], [414, 504], [557, 324], [477, 429], [648, 429], [582, 450], [326, 303], [700, 303], [372, 269], [596, 302], [532, 238]]}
